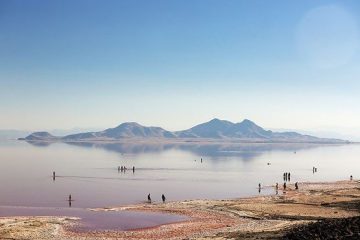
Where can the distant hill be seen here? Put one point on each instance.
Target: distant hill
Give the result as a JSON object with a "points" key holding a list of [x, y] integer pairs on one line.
{"points": [[216, 129], [125, 130], [40, 136]]}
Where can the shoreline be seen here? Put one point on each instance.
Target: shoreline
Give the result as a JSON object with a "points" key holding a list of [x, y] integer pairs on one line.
{"points": [[263, 215]]}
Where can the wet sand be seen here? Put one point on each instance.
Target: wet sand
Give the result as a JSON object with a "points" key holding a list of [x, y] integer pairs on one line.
{"points": [[296, 213]]}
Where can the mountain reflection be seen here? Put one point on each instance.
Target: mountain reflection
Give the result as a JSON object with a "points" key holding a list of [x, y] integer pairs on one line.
{"points": [[40, 143], [247, 151]]}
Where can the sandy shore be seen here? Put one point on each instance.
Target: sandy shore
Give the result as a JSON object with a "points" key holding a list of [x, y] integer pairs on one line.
{"points": [[266, 217]]}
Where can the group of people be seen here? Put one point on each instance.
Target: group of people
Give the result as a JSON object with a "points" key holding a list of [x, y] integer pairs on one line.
{"points": [[284, 186], [286, 176], [123, 169], [162, 197], [277, 186]]}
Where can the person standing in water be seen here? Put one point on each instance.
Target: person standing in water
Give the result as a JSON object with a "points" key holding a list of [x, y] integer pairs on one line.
{"points": [[149, 198], [163, 198], [69, 200], [259, 188], [133, 169]]}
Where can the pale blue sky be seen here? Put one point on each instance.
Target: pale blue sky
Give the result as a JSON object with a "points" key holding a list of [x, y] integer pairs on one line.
{"points": [[282, 64]]}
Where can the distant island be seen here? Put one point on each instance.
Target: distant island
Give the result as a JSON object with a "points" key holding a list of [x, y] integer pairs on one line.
{"points": [[214, 130]]}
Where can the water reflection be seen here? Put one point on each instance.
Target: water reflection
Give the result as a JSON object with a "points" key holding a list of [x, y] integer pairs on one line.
{"points": [[90, 170], [40, 143], [246, 151]]}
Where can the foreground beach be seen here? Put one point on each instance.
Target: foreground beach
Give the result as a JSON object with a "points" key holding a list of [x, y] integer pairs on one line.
{"points": [[317, 209]]}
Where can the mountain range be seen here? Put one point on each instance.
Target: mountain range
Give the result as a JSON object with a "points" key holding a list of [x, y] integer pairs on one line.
{"points": [[216, 130]]}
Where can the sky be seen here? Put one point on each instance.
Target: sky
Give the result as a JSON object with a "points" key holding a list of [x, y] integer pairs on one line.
{"points": [[174, 64]]}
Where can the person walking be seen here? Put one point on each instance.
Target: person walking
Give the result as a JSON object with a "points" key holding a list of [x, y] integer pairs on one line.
{"points": [[163, 198], [149, 198]]}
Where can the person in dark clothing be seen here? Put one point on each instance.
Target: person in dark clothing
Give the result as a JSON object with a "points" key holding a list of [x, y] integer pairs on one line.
{"points": [[163, 198], [284, 185], [53, 176], [351, 177], [277, 186], [133, 169], [296, 186], [149, 198], [70, 200]]}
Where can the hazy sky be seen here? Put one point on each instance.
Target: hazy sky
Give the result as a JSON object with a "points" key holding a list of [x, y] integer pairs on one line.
{"points": [[282, 64]]}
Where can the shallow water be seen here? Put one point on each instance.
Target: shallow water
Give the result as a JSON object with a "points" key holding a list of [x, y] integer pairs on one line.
{"points": [[89, 171], [98, 220]]}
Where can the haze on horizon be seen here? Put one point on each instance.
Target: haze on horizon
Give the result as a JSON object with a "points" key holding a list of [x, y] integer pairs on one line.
{"points": [[174, 64]]}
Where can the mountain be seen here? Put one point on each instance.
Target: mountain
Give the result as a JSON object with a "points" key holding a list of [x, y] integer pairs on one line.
{"points": [[217, 128], [125, 130], [214, 130], [246, 130], [40, 136]]}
